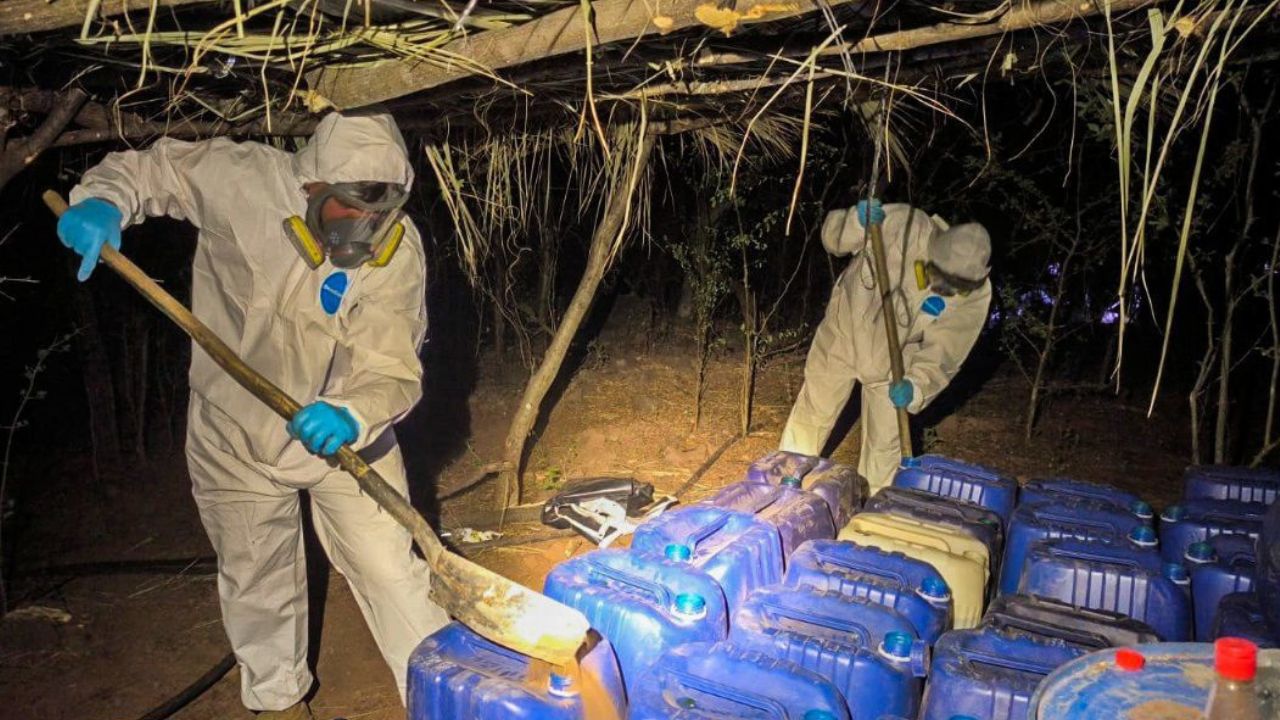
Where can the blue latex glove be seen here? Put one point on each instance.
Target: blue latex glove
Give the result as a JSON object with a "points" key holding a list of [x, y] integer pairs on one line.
{"points": [[876, 212], [323, 428], [85, 227], [901, 393]]}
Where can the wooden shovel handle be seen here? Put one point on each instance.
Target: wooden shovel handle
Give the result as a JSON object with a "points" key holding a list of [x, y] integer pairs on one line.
{"points": [[890, 329]]}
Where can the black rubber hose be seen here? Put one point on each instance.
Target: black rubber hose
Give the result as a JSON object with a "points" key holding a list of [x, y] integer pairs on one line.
{"points": [[191, 692]]}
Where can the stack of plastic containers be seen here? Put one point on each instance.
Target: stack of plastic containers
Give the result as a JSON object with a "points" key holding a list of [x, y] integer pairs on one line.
{"points": [[747, 606], [908, 586], [1214, 531], [960, 558], [961, 481]]}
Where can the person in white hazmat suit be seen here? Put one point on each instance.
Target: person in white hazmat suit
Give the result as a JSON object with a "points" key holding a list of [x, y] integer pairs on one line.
{"points": [[938, 277], [307, 267]]}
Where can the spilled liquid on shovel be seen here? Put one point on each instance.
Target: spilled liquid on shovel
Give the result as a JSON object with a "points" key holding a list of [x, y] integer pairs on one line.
{"points": [[597, 704]]}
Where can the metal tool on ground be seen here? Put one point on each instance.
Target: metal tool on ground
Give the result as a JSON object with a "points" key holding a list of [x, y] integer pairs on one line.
{"points": [[600, 509], [497, 608], [886, 291]]}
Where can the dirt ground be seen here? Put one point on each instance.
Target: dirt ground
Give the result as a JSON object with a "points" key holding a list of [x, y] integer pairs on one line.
{"points": [[113, 644]]}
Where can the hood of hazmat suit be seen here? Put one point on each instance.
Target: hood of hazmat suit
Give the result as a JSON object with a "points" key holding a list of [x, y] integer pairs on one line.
{"points": [[349, 337]]}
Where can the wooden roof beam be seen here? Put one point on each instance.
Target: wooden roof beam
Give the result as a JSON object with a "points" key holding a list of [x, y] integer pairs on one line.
{"points": [[556, 33]]}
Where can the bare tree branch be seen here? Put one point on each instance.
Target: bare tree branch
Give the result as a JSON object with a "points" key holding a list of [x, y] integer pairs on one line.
{"points": [[20, 153]]}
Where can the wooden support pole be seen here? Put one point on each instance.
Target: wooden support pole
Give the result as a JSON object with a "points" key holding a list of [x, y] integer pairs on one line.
{"points": [[599, 258]]}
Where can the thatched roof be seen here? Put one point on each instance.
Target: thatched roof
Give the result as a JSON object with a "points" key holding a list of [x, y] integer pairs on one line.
{"points": [[199, 67]]}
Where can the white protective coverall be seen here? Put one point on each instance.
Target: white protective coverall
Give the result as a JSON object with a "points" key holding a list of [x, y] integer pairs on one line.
{"points": [[850, 344], [254, 290]]}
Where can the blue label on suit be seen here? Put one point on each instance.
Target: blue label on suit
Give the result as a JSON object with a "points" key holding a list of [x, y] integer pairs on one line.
{"points": [[332, 290], [933, 305]]}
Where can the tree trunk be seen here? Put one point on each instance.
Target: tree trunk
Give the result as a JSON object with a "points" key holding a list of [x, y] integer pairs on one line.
{"points": [[1224, 369], [548, 252], [611, 225], [99, 391], [499, 326], [750, 335], [1274, 326]]}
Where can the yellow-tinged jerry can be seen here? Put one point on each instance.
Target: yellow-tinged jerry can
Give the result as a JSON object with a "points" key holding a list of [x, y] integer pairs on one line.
{"points": [[962, 560]]}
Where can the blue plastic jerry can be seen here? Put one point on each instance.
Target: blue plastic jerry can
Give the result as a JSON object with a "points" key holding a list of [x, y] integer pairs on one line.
{"points": [[1226, 482], [844, 490], [1223, 565], [840, 486], [868, 651], [642, 604], [719, 681], [798, 514], [1114, 578], [455, 673], [962, 481], [775, 466], [975, 520], [1054, 620], [910, 587], [1240, 615], [1059, 489], [987, 675], [740, 551], [1200, 519], [1073, 518]]}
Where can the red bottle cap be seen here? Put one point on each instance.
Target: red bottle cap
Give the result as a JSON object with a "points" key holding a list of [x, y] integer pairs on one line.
{"points": [[1235, 658], [1129, 660]]}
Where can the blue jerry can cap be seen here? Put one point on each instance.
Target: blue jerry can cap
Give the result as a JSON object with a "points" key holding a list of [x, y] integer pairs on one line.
{"points": [[1173, 513], [897, 645], [1177, 573], [819, 715], [691, 604], [792, 481], [677, 551], [1142, 509], [1143, 536], [910, 462], [1200, 553], [934, 588], [561, 685]]}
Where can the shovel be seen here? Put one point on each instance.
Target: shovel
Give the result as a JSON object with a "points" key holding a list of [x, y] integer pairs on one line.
{"points": [[493, 606], [885, 286]]}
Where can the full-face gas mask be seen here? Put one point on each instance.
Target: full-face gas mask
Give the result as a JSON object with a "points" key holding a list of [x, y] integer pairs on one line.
{"points": [[351, 224]]}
